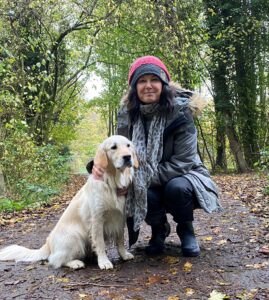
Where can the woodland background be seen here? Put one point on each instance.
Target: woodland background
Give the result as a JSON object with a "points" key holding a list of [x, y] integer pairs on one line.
{"points": [[49, 51]]}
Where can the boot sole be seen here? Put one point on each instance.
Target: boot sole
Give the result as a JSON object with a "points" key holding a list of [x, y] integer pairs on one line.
{"points": [[153, 250], [188, 253]]}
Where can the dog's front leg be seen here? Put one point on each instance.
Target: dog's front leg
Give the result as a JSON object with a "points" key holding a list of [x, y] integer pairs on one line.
{"points": [[125, 255], [99, 244]]}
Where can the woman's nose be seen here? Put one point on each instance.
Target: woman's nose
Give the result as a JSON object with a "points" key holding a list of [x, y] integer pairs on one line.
{"points": [[148, 84]]}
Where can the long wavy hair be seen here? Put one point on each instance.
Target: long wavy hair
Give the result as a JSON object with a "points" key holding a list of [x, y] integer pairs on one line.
{"points": [[165, 102]]}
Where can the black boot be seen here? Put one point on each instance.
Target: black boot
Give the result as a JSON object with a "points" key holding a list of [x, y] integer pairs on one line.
{"points": [[156, 243], [189, 245]]}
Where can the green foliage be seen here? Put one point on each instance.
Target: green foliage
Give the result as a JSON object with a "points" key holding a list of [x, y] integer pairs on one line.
{"points": [[170, 32], [48, 49], [11, 205], [90, 133], [237, 36], [45, 50], [264, 160], [263, 166], [32, 174]]}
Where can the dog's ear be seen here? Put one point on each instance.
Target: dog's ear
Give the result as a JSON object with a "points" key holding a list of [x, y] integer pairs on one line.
{"points": [[136, 163], [100, 158]]}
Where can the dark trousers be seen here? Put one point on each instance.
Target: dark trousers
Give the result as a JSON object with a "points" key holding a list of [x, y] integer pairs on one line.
{"points": [[176, 197]]}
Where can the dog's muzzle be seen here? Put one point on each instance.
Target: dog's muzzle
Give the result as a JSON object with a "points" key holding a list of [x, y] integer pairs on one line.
{"points": [[127, 160]]}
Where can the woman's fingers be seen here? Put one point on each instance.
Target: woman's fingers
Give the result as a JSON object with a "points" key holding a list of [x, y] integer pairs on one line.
{"points": [[97, 172], [122, 192]]}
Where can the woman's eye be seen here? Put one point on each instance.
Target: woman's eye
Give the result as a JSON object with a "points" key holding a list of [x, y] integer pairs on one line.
{"points": [[114, 147], [141, 81]]}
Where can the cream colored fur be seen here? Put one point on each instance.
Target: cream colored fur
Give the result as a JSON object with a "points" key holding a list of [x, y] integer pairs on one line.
{"points": [[95, 214]]}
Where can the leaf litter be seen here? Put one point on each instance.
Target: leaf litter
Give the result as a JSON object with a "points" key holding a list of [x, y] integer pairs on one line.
{"points": [[233, 262]]}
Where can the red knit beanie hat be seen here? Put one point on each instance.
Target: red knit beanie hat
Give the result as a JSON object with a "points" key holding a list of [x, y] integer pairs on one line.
{"points": [[148, 65]]}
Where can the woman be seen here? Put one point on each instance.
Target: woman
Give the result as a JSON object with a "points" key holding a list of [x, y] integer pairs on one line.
{"points": [[158, 118]]}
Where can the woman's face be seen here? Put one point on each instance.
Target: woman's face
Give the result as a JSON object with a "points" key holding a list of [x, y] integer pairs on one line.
{"points": [[149, 88]]}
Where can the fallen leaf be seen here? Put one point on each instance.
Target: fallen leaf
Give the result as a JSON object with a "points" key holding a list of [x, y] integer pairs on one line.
{"points": [[189, 291], [220, 271], [12, 282], [214, 295], [247, 295], [258, 266], [222, 242], [56, 206], [154, 279], [233, 229], [118, 297], [264, 250], [216, 230], [103, 293], [63, 279], [30, 268], [222, 283], [187, 267], [173, 271], [171, 260], [173, 298], [85, 297]]}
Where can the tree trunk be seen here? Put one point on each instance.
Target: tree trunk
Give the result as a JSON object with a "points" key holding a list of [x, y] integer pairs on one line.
{"points": [[235, 146], [2, 184], [247, 106], [221, 160], [211, 159], [222, 104]]}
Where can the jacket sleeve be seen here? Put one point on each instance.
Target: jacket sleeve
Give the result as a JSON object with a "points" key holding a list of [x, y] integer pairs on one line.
{"points": [[184, 154]]}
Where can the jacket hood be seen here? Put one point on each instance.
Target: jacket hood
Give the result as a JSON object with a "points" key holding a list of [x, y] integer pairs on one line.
{"points": [[183, 97], [193, 100]]}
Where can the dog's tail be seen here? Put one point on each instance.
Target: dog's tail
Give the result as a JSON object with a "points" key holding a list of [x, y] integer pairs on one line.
{"points": [[19, 253]]}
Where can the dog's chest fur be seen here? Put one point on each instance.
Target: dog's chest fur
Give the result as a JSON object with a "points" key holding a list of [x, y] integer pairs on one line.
{"points": [[105, 205]]}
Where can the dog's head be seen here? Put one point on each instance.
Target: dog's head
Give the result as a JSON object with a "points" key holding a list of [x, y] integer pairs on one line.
{"points": [[116, 151]]}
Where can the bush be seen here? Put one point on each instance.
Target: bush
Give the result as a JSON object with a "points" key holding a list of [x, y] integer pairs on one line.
{"points": [[33, 174], [263, 166]]}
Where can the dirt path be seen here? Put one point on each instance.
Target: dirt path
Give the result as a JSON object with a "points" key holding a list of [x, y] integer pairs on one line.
{"points": [[230, 261]]}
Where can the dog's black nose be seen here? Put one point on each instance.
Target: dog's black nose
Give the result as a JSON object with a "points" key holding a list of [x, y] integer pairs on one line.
{"points": [[127, 159]]}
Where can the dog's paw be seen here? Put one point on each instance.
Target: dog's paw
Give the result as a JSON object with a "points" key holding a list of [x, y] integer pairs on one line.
{"points": [[127, 255], [75, 264], [104, 263]]}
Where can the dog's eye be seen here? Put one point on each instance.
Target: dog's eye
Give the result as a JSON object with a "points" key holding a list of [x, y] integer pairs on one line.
{"points": [[128, 145], [114, 147]]}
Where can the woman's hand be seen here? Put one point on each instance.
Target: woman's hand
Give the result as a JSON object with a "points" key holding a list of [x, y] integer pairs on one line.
{"points": [[122, 192], [97, 172]]}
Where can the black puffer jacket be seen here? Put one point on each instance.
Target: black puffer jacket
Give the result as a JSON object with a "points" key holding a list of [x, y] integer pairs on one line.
{"points": [[180, 140], [180, 156]]}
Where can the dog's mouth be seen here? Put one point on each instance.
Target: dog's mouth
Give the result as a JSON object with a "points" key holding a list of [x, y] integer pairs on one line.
{"points": [[125, 162]]}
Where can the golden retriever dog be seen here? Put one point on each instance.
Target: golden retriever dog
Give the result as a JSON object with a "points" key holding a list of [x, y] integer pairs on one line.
{"points": [[94, 215]]}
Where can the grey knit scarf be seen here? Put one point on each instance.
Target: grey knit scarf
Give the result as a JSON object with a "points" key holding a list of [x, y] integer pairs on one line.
{"points": [[149, 154]]}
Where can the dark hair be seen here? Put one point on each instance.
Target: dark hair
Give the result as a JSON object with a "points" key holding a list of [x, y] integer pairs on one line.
{"points": [[133, 103]]}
